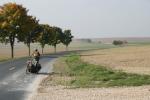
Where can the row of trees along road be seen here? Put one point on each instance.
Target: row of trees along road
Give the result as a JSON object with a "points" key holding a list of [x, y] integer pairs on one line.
{"points": [[16, 24]]}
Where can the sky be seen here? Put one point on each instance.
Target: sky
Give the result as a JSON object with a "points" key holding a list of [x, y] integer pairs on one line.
{"points": [[93, 18]]}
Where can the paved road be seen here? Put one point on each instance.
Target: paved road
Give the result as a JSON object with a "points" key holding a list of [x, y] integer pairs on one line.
{"points": [[14, 82]]}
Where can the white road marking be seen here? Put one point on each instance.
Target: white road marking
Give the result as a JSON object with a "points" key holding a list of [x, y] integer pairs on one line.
{"points": [[12, 68]]}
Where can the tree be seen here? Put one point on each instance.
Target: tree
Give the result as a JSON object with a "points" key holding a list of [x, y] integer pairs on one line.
{"points": [[67, 38], [57, 34], [31, 34], [118, 42], [45, 35], [12, 23]]}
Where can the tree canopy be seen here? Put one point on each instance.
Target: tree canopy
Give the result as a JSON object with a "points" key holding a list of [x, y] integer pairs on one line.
{"points": [[57, 35], [45, 36], [17, 24], [13, 23], [67, 38]]}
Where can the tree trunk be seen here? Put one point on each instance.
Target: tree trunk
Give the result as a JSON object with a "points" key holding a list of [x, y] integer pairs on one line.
{"points": [[42, 47], [12, 40], [12, 51], [42, 50], [55, 49], [66, 47], [28, 43], [29, 48]]}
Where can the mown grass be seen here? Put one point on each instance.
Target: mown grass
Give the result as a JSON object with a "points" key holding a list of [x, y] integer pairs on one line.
{"points": [[84, 75]]}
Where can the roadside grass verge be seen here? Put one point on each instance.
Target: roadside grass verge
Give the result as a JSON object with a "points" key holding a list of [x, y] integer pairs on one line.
{"points": [[4, 59], [73, 72], [7, 59]]}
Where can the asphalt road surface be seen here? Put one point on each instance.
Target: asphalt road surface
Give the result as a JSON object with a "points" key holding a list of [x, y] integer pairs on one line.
{"points": [[15, 83]]}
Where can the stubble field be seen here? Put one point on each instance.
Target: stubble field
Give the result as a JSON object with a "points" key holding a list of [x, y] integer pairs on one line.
{"points": [[132, 59]]}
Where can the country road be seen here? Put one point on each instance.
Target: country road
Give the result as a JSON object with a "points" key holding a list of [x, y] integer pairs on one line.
{"points": [[15, 84]]}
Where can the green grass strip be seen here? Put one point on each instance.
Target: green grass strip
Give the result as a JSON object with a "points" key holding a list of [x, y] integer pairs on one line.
{"points": [[89, 75]]}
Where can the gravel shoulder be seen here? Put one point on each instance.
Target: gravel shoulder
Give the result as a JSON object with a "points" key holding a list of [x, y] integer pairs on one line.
{"points": [[123, 93]]}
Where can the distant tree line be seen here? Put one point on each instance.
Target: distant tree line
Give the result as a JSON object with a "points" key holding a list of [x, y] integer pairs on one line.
{"points": [[119, 42], [16, 23], [86, 40]]}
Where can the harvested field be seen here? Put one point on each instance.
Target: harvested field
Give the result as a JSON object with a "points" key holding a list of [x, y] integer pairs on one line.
{"points": [[129, 59]]}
